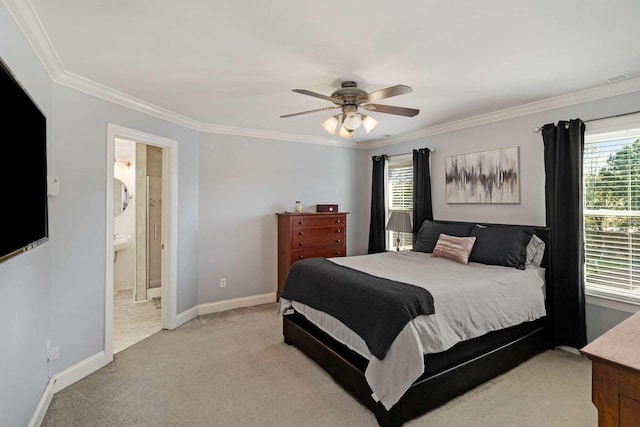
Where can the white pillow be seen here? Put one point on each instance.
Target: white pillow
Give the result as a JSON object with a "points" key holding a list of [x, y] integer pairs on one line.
{"points": [[535, 252]]}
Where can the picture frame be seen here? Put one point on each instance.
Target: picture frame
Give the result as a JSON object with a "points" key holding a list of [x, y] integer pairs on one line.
{"points": [[485, 177]]}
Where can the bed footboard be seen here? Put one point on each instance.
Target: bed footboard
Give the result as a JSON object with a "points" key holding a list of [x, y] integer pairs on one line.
{"points": [[342, 364], [347, 369]]}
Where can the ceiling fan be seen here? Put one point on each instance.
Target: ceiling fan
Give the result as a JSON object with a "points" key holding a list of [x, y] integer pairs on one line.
{"points": [[349, 98]]}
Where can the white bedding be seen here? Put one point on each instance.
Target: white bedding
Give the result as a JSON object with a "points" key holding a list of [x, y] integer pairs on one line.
{"points": [[470, 300]]}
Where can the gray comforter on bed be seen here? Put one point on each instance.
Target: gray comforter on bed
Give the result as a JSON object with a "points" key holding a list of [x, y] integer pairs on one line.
{"points": [[377, 309]]}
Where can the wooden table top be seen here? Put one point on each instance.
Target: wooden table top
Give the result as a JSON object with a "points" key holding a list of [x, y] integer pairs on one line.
{"points": [[619, 345]]}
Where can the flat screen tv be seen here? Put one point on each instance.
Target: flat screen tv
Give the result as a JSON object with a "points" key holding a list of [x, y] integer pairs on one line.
{"points": [[23, 171]]}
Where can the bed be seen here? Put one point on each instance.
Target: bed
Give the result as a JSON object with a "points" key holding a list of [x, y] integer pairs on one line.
{"points": [[429, 361]]}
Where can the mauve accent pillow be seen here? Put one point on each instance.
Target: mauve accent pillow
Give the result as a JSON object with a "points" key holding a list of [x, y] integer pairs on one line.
{"points": [[454, 248], [506, 246], [429, 232]]}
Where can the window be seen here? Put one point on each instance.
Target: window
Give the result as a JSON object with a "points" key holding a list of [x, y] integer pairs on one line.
{"points": [[400, 193], [611, 174]]}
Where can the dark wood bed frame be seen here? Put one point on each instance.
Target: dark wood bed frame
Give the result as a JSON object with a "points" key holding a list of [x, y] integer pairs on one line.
{"points": [[434, 388]]}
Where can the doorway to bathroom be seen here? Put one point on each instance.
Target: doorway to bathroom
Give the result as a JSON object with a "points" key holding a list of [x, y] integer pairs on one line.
{"points": [[141, 283], [137, 227]]}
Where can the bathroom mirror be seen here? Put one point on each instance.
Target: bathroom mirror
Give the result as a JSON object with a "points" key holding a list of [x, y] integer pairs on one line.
{"points": [[120, 197]]}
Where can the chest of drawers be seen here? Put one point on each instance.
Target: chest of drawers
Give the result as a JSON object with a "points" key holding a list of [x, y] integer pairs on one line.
{"points": [[615, 374], [309, 235]]}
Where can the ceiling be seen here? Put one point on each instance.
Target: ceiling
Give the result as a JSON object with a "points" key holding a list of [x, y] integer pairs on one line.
{"points": [[233, 63]]}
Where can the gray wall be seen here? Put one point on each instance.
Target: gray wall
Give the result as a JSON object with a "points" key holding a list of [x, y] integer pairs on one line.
{"points": [[243, 183], [79, 216], [506, 133], [25, 280], [57, 290]]}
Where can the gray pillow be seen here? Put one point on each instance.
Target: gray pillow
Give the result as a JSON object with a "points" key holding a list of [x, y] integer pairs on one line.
{"points": [[535, 251], [429, 232], [506, 246]]}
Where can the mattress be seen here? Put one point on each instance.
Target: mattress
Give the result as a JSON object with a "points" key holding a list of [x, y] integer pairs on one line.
{"points": [[470, 301]]}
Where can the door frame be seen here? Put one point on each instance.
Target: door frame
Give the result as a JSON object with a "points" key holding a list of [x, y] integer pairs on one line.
{"points": [[169, 227]]}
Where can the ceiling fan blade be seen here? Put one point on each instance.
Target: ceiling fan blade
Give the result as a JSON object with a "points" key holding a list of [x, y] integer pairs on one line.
{"points": [[390, 109], [388, 92], [318, 95], [310, 111]]}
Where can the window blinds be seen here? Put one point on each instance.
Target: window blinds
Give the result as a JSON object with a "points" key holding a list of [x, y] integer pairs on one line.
{"points": [[400, 178], [611, 173]]}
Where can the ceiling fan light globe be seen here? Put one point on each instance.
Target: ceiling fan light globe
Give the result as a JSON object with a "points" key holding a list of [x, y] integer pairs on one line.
{"points": [[352, 121], [369, 123], [344, 132], [331, 124]]}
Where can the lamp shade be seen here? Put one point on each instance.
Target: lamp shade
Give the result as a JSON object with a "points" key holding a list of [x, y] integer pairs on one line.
{"points": [[330, 124], [399, 221], [344, 132], [369, 123], [352, 121]]}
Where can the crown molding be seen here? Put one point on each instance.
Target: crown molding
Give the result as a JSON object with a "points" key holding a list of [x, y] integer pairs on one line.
{"points": [[29, 23], [27, 20], [599, 92], [592, 94], [278, 136], [90, 87], [98, 90]]}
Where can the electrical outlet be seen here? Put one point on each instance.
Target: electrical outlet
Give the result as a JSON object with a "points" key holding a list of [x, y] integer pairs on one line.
{"points": [[223, 282]]}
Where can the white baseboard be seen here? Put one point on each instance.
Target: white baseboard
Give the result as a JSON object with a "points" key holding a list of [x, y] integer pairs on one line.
{"points": [[186, 315], [218, 306], [43, 405], [80, 370], [230, 304]]}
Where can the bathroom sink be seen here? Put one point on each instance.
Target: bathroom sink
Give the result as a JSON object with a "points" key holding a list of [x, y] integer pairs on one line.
{"points": [[121, 241]]}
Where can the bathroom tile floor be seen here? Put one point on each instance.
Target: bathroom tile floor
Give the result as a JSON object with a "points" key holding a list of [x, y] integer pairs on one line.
{"points": [[133, 321]]}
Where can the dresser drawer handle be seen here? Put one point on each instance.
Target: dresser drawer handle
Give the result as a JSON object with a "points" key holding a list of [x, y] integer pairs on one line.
{"points": [[300, 244], [300, 222], [338, 253], [301, 233], [338, 241], [338, 231], [338, 221], [301, 256]]}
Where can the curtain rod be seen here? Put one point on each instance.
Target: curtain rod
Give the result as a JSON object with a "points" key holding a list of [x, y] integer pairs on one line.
{"points": [[538, 129], [431, 150]]}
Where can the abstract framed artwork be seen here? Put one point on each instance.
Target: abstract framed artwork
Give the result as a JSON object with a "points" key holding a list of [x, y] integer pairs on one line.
{"points": [[485, 177]]}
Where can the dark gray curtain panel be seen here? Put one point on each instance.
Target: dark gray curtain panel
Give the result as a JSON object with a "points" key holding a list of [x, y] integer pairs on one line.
{"points": [[377, 241], [563, 150], [422, 208]]}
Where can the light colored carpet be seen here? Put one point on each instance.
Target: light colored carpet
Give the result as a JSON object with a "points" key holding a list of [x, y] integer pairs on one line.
{"points": [[233, 369]]}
